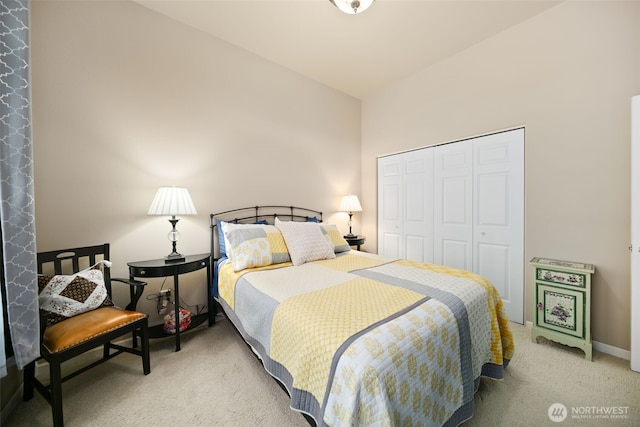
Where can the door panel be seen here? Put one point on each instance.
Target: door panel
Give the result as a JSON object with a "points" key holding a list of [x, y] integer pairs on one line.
{"points": [[493, 263], [635, 233], [418, 206], [498, 225], [452, 199], [455, 253], [405, 211], [492, 196], [389, 209], [455, 208], [569, 300], [390, 244], [415, 248]]}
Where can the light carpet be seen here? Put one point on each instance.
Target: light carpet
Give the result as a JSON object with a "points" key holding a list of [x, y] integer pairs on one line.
{"points": [[216, 380]]}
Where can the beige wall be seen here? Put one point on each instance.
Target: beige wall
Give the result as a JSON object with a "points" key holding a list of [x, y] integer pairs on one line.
{"points": [[567, 75], [126, 100]]}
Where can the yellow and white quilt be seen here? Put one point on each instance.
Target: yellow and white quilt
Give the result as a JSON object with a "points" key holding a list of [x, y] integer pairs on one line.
{"points": [[361, 340]]}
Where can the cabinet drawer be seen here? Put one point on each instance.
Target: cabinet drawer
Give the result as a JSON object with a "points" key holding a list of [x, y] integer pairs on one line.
{"points": [[561, 277], [560, 309]]}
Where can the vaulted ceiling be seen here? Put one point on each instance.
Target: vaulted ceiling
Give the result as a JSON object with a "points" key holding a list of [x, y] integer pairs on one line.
{"points": [[355, 54]]}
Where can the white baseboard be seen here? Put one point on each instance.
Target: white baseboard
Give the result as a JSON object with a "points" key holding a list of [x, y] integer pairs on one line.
{"points": [[609, 349], [601, 347]]}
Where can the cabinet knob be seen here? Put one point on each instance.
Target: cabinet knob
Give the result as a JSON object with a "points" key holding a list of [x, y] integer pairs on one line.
{"points": [[143, 272]]}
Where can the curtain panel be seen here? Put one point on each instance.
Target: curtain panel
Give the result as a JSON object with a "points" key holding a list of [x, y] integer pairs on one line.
{"points": [[20, 294]]}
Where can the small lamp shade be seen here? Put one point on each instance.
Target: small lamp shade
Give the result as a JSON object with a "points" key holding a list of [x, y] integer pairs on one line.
{"points": [[350, 203], [172, 201]]}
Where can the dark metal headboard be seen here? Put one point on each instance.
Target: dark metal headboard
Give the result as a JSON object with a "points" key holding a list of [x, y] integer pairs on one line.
{"points": [[258, 213]]}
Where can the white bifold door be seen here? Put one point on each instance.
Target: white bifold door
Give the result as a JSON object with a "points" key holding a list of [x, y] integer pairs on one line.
{"points": [[405, 205], [461, 205], [635, 233]]}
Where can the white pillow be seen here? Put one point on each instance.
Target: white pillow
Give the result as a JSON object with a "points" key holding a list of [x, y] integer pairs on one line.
{"points": [[305, 241]]}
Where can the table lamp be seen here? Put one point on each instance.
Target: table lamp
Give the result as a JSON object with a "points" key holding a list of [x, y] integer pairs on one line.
{"points": [[350, 204], [172, 201]]}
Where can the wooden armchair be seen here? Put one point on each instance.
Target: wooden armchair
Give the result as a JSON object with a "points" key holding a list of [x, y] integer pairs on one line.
{"points": [[72, 336]]}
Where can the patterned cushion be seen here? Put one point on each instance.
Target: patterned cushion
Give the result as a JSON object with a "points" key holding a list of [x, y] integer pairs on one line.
{"points": [[221, 241], [254, 245], [67, 296], [335, 237], [306, 241]]}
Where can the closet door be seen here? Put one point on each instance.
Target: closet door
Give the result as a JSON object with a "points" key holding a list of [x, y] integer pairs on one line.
{"points": [[418, 206], [405, 211], [635, 233], [390, 200], [498, 216], [460, 205], [453, 203]]}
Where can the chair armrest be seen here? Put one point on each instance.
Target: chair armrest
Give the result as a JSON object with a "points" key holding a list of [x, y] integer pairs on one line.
{"points": [[130, 282], [136, 288]]}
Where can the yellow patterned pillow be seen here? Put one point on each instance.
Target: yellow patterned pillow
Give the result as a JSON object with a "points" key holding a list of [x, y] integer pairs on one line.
{"points": [[254, 245], [335, 237]]}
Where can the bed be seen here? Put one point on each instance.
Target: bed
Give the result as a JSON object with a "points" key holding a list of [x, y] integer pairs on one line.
{"points": [[356, 339]]}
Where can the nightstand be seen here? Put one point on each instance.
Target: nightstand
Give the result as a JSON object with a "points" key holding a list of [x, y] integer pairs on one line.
{"points": [[562, 311], [356, 241], [160, 268]]}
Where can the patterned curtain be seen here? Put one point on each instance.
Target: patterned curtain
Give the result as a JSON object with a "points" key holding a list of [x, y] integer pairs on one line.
{"points": [[20, 293]]}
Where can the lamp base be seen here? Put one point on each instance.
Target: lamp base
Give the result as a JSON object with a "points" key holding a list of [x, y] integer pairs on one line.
{"points": [[350, 236], [174, 257]]}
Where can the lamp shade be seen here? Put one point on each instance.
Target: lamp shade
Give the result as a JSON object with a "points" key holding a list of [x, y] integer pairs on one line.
{"points": [[172, 201], [352, 6], [350, 203]]}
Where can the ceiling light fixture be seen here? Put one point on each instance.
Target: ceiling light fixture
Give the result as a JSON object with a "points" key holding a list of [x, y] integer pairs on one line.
{"points": [[352, 6]]}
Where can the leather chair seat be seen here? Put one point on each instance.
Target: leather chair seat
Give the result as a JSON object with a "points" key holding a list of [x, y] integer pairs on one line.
{"points": [[85, 326]]}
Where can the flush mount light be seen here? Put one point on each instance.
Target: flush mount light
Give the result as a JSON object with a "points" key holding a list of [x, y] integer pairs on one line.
{"points": [[352, 6]]}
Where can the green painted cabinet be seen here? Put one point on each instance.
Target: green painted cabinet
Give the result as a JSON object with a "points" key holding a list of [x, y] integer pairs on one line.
{"points": [[563, 302]]}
